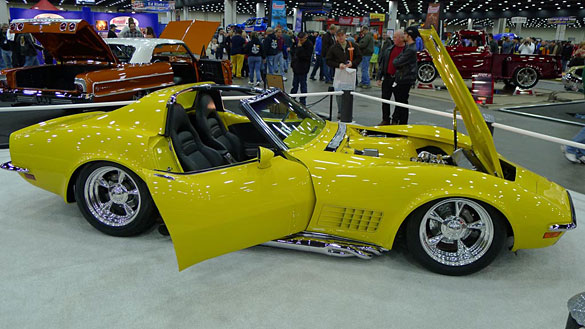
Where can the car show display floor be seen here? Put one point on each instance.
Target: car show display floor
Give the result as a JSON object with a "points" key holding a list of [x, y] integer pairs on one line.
{"points": [[59, 272]]}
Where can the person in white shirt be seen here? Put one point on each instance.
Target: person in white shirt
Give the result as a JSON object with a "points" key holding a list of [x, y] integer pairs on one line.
{"points": [[527, 47]]}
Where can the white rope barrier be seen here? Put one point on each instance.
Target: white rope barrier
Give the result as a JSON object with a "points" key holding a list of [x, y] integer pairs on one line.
{"points": [[495, 125], [317, 94]]}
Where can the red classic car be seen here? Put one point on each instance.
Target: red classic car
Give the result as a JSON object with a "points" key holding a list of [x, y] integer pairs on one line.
{"points": [[471, 54], [89, 70]]}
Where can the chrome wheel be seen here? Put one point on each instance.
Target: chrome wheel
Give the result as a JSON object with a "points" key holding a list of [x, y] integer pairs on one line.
{"points": [[112, 196], [426, 72], [456, 232], [526, 77]]}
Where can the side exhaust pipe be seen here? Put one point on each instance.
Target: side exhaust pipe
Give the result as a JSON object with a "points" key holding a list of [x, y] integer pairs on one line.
{"points": [[327, 245]]}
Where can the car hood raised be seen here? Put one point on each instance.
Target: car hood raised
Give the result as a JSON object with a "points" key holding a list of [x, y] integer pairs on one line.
{"points": [[481, 138], [66, 39], [195, 34]]}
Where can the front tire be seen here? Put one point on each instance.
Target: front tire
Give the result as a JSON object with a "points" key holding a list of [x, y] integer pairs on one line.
{"points": [[426, 72], [114, 200], [455, 236]]}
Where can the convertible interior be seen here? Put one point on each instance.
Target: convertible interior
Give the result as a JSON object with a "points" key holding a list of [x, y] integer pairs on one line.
{"points": [[202, 140]]}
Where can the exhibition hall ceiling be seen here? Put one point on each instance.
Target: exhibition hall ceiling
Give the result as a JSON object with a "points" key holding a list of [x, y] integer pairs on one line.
{"points": [[457, 11]]}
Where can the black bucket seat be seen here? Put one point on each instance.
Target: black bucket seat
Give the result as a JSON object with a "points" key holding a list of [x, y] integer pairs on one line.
{"points": [[212, 130], [192, 153]]}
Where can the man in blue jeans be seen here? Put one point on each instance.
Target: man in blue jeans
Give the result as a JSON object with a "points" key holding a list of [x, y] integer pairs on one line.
{"points": [[270, 48], [366, 45]]}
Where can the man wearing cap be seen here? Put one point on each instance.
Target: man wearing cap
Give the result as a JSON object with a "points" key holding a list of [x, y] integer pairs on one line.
{"points": [[327, 42], [397, 74], [112, 31]]}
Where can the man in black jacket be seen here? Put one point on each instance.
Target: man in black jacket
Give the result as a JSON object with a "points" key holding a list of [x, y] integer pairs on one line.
{"points": [[397, 74], [301, 64], [112, 31], [270, 46], [327, 41]]}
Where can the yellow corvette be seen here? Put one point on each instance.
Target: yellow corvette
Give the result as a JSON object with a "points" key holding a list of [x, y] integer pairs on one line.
{"points": [[223, 179]]}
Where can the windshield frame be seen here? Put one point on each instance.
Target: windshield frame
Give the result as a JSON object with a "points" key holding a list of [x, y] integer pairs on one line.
{"points": [[247, 105]]}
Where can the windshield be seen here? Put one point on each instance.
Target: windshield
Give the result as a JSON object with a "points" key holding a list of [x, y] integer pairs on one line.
{"points": [[290, 121], [123, 52]]}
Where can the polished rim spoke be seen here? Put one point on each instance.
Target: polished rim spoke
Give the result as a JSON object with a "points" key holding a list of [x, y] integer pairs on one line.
{"points": [[479, 225], [103, 183], [106, 206], [133, 192], [435, 240], [434, 216], [121, 176], [462, 250], [128, 209], [458, 208]]}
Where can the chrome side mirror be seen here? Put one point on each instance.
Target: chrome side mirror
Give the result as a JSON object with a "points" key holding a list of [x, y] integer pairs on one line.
{"points": [[264, 157]]}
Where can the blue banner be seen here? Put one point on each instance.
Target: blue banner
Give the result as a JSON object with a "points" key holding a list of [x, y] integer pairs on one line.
{"points": [[299, 21], [278, 19], [153, 6]]}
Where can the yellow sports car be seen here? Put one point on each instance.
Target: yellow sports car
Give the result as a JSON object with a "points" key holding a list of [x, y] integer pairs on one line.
{"points": [[271, 171]]}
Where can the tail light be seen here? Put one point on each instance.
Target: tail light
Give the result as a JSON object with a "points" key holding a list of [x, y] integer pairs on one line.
{"points": [[80, 85]]}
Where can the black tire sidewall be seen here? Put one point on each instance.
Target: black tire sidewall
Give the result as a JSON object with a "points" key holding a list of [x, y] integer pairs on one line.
{"points": [[145, 217], [515, 79], [418, 70], [419, 254]]}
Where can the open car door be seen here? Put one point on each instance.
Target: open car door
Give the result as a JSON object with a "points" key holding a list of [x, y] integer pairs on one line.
{"points": [[219, 210]]}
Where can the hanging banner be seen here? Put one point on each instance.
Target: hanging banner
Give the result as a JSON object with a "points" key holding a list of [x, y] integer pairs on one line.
{"points": [[375, 17], [153, 6], [562, 20], [433, 13], [299, 21], [278, 17]]}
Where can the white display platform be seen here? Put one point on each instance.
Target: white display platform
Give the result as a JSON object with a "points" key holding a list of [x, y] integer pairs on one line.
{"points": [[59, 272]]}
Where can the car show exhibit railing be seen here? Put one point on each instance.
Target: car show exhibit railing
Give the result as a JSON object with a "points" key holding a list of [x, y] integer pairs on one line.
{"points": [[515, 130], [495, 125]]}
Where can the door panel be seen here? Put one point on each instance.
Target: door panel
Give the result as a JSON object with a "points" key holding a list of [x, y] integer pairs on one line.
{"points": [[230, 208]]}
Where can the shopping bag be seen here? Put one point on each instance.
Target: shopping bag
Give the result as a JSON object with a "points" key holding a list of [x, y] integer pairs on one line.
{"points": [[344, 79]]}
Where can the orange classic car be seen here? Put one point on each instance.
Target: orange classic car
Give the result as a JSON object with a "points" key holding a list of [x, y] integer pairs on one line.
{"points": [[90, 70]]}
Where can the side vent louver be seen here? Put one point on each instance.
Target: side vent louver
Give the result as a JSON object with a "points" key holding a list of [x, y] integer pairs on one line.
{"points": [[351, 219]]}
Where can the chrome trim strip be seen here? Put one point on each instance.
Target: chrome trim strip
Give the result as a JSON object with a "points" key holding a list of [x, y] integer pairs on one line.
{"points": [[10, 167], [338, 138], [133, 90], [566, 227], [165, 176], [132, 78]]}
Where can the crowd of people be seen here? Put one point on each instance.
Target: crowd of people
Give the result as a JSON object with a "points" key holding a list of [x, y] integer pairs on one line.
{"points": [[275, 50], [571, 54]]}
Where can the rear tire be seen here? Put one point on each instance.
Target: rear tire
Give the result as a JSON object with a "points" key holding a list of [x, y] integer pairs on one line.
{"points": [[114, 200], [525, 77], [426, 72], [455, 236]]}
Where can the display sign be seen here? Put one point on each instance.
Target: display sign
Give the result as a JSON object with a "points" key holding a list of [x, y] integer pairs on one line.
{"points": [[562, 20], [153, 6], [299, 21], [375, 17], [319, 18], [519, 20], [278, 14], [349, 20], [315, 7], [482, 88], [84, 2], [433, 13]]}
